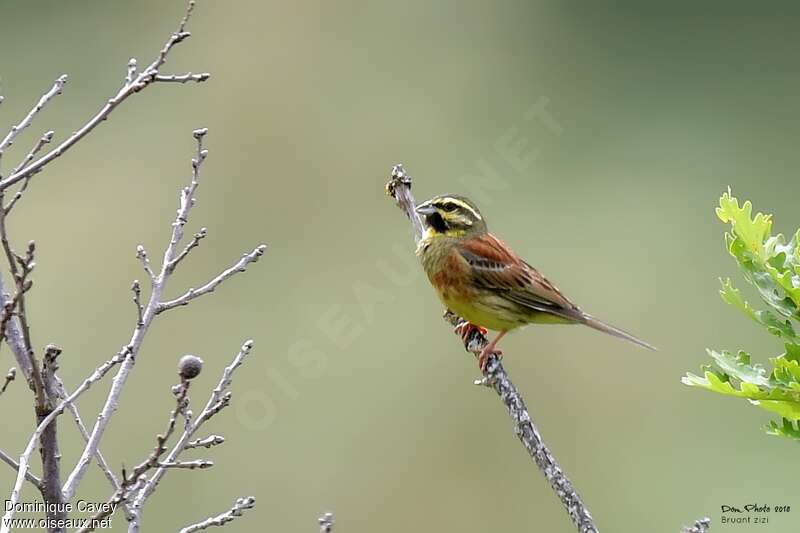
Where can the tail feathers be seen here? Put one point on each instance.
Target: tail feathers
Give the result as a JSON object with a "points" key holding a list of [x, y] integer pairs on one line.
{"points": [[594, 323]]}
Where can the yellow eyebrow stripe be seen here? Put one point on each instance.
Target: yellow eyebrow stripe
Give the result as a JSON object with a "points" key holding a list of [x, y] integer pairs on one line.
{"points": [[463, 205]]}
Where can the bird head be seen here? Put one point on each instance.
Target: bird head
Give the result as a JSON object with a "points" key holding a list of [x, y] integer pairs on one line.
{"points": [[450, 215]]}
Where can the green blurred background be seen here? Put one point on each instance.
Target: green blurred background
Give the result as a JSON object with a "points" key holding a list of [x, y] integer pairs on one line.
{"points": [[357, 398]]}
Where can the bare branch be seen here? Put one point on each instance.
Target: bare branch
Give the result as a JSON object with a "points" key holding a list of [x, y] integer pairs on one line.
{"points": [[141, 255], [145, 78], [326, 523], [131, 72], [45, 139], [200, 235], [93, 523], [220, 397], [21, 268], [399, 187], [208, 442], [49, 448], [191, 294], [15, 465], [73, 409], [183, 78], [700, 526], [24, 461], [12, 333], [152, 308], [137, 301], [137, 475], [11, 375], [189, 465], [46, 97], [241, 505], [112, 400]]}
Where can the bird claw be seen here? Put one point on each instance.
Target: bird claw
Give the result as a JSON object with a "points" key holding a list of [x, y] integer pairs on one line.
{"points": [[485, 357], [465, 330]]}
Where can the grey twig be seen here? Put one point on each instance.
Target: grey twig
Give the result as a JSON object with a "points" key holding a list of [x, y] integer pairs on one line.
{"points": [[11, 375], [12, 334], [141, 255], [183, 78], [101, 461], [700, 526], [326, 523], [399, 187], [49, 449], [208, 442], [24, 460], [15, 465], [137, 301], [46, 97], [123, 492], [151, 309], [220, 397], [131, 72], [20, 268], [145, 78], [239, 506], [189, 465], [191, 294], [43, 140], [200, 235]]}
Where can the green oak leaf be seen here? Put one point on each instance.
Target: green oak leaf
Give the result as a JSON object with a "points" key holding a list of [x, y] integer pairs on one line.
{"points": [[776, 326], [772, 266], [787, 429]]}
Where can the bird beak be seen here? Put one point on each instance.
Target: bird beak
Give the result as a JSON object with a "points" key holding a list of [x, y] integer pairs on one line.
{"points": [[425, 209]]}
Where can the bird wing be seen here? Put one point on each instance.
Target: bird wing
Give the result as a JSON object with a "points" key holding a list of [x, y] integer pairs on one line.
{"points": [[496, 268]]}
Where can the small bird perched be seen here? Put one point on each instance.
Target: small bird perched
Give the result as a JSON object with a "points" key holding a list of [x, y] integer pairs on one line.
{"points": [[478, 277]]}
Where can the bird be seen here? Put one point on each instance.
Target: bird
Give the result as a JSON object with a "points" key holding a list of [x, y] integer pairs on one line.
{"points": [[480, 278]]}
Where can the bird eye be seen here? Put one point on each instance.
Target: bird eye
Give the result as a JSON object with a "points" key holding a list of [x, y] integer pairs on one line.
{"points": [[448, 207]]}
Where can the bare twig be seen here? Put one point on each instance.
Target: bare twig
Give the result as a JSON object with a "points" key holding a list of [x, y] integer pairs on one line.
{"points": [[20, 270], [700, 526], [46, 97], [326, 523], [15, 465], [188, 465], [151, 309], [131, 72], [208, 442], [11, 375], [183, 78], [191, 294], [13, 335], [49, 449], [141, 255], [43, 140], [200, 235], [220, 397], [399, 187], [239, 506], [137, 475], [137, 301], [101, 461], [145, 78], [24, 461]]}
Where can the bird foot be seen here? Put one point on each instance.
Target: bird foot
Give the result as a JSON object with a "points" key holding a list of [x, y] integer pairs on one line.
{"points": [[465, 330], [486, 354]]}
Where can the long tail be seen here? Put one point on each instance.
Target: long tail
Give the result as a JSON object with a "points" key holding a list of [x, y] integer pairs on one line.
{"points": [[599, 325]]}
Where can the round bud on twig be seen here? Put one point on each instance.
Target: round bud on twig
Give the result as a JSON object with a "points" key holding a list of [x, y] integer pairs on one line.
{"points": [[189, 366]]}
